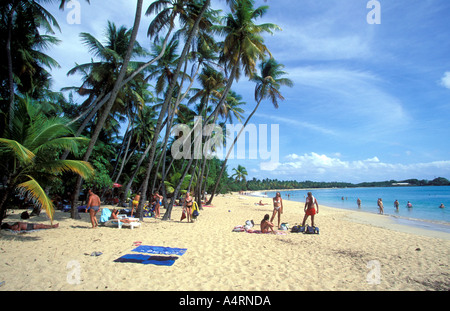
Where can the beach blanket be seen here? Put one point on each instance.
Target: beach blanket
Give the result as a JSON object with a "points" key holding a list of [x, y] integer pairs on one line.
{"points": [[259, 232], [160, 250], [148, 260]]}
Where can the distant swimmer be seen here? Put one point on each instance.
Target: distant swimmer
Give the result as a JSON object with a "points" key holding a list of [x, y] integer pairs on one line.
{"points": [[409, 205], [396, 204], [358, 202], [442, 205]]}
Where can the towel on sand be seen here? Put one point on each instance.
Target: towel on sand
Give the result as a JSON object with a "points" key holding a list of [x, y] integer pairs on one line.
{"points": [[160, 250], [147, 260]]}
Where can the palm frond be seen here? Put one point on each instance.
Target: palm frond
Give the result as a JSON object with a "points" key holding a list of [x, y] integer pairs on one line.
{"points": [[34, 192], [82, 168], [24, 155]]}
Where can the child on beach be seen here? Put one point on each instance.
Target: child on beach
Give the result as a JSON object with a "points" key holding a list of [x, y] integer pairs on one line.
{"points": [[309, 209]]}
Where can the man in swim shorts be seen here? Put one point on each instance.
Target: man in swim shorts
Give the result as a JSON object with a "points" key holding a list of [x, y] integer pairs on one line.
{"points": [[93, 206], [309, 209]]}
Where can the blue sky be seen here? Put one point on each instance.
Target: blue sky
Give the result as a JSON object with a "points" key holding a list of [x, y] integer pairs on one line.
{"points": [[370, 102]]}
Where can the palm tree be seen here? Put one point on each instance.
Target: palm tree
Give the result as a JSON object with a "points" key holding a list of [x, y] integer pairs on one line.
{"points": [[110, 103], [240, 173], [28, 153], [267, 87]]}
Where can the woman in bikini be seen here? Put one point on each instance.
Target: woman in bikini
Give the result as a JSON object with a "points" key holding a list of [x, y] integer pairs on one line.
{"points": [[266, 225], [188, 206], [277, 208]]}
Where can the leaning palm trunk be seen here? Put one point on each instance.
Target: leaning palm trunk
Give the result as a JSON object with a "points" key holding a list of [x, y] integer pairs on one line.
{"points": [[166, 104], [229, 152], [115, 91]]}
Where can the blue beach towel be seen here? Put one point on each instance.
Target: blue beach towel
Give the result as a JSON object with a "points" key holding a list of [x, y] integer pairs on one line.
{"points": [[161, 250], [147, 260]]}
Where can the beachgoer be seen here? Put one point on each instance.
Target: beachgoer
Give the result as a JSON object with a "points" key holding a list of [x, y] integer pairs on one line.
{"points": [[93, 206], [114, 214], [309, 209], [157, 200], [135, 202], [380, 205], [266, 224], [358, 202], [187, 208], [409, 205], [396, 204], [277, 208], [442, 205], [23, 226]]}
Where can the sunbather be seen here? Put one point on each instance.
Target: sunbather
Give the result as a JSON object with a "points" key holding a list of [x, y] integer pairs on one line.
{"points": [[124, 220], [18, 226], [266, 224]]}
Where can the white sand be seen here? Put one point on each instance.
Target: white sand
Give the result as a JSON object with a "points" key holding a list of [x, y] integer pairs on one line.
{"points": [[354, 251]]}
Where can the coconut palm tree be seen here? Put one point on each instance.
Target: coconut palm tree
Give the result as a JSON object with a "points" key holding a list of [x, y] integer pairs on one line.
{"points": [[28, 154], [267, 87], [240, 173]]}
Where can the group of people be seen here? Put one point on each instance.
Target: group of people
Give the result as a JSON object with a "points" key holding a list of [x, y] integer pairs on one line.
{"points": [[155, 202], [309, 209]]}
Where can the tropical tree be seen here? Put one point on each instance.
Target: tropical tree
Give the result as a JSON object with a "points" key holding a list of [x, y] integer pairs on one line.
{"points": [[240, 173], [111, 100], [29, 154], [268, 85]]}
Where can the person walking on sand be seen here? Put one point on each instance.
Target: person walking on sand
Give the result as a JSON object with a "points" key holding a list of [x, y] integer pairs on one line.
{"points": [[380, 205], [309, 209], [93, 206], [135, 203], [277, 208], [266, 224]]}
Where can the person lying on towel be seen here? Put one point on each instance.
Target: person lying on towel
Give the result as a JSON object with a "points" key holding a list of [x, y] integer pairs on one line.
{"points": [[18, 226]]}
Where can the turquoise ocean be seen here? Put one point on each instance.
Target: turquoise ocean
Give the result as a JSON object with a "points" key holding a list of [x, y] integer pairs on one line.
{"points": [[425, 200]]}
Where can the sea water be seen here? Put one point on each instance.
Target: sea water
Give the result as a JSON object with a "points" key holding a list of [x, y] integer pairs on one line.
{"points": [[425, 201]]}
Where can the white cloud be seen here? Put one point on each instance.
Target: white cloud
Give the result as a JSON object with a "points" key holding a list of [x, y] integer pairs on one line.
{"points": [[445, 81], [320, 167]]}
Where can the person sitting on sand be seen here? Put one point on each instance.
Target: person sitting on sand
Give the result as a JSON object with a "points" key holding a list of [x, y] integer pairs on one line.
{"points": [[261, 203], [277, 208], [266, 224], [93, 206], [309, 209], [23, 226]]}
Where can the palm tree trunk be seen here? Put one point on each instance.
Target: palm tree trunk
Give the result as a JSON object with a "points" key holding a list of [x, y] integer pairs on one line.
{"points": [[229, 152], [111, 101], [166, 104]]}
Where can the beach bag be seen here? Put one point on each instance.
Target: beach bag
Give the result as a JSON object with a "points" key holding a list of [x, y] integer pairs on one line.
{"points": [[183, 215], [298, 229], [312, 230], [284, 226]]}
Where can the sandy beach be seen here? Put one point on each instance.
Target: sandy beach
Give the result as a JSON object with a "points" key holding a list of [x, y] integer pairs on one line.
{"points": [[354, 251]]}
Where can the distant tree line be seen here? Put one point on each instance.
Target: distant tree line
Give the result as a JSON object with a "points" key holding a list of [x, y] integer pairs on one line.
{"points": [[271, 184]]}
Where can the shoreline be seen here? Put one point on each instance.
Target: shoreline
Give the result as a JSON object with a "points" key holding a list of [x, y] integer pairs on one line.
{"points": [[406, 224], [218, 259]]}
